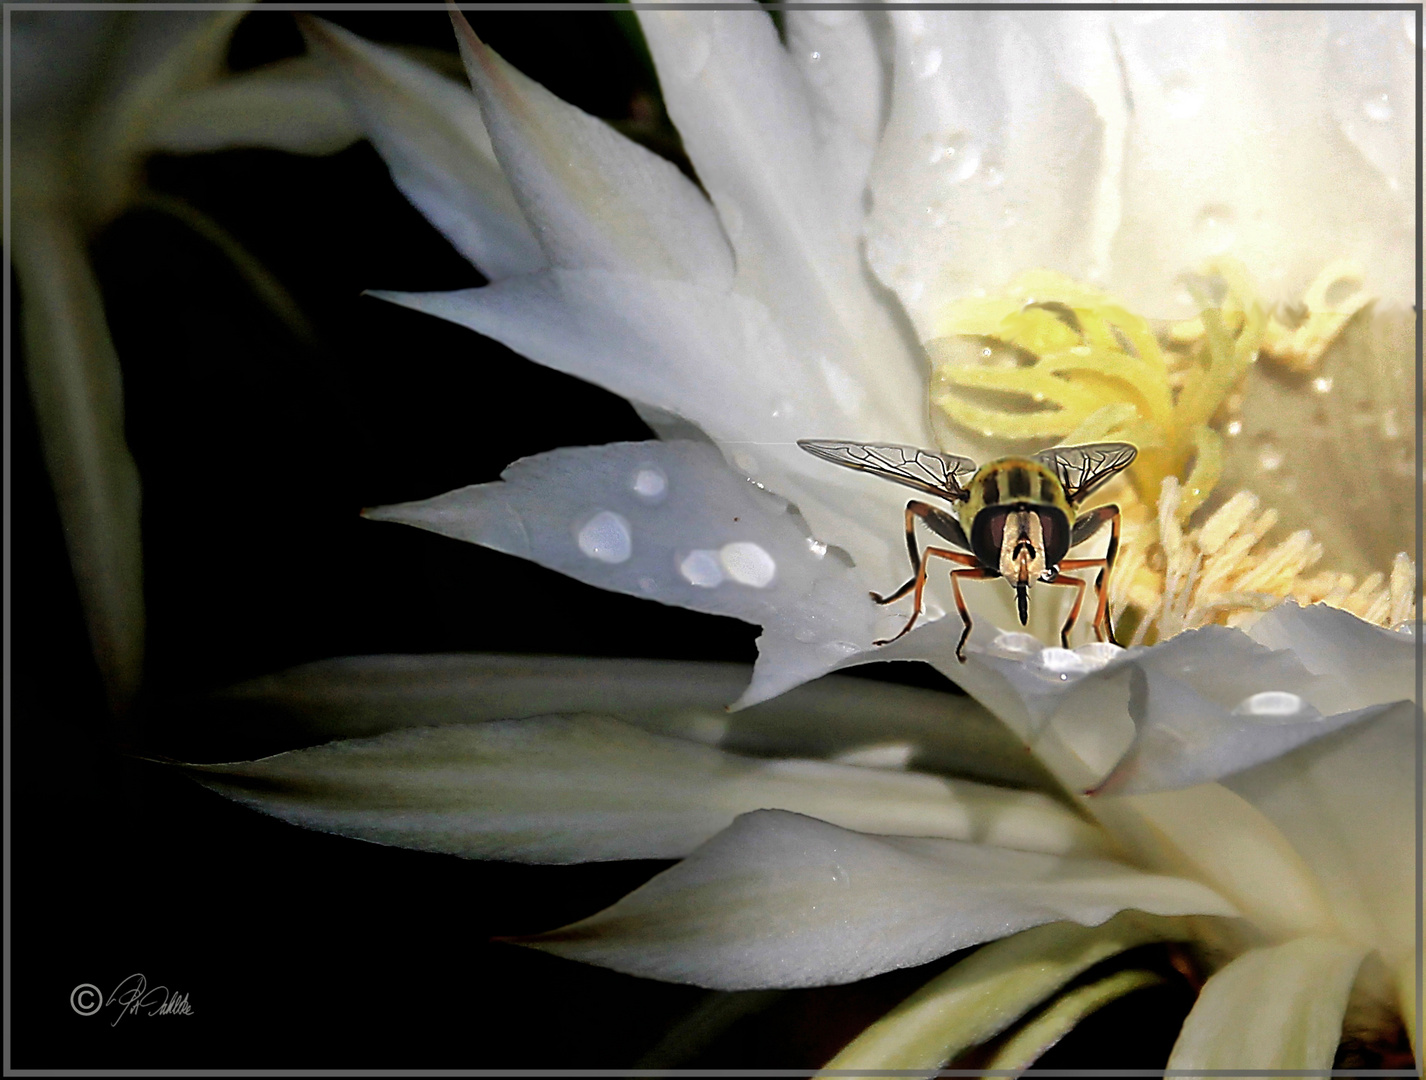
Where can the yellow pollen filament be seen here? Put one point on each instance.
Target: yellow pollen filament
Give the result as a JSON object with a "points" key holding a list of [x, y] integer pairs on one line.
{"points": [[1062, 363]]}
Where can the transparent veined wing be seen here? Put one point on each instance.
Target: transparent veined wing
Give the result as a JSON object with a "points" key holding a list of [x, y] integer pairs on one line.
{"points": [[1082, 469], [925, 470]]}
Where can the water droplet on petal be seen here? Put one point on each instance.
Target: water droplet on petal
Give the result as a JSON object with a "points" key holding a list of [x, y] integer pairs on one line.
{"points": [[927, 64], [1096, 654], [818, 549], [745, 463], [1182, 96], [1376, 107], [1407, 627], [650, 484], [1277, 703], [1270, 456], [701, 568], [806, 635], [840, 875], [606, 537], [1015, 643], [1235, 427], [1215, 227], [748, 564], [1063, 662], [1322, 384], [814, 56]]}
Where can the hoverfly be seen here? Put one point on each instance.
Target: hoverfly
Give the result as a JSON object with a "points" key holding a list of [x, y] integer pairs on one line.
{"points": [[1016, 516]]}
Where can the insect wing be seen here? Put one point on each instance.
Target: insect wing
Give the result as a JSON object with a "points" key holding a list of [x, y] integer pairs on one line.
{"points": [[1082, 469], [924, 470]]}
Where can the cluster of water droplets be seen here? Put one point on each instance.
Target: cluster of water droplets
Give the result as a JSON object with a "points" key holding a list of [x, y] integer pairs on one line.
{"points": [[607, 536]]}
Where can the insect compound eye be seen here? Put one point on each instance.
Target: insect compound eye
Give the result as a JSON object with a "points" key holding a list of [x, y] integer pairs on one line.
{"points": [[1056, 532]]}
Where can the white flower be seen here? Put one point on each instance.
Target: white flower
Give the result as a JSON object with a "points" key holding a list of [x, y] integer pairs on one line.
{"points": [[1262, 780], [95, 93]]}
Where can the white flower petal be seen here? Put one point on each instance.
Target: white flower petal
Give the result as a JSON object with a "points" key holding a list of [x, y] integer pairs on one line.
{"points": [[1361, 663], [75, 384], [1271, 1008], [746, 117], [988, 991], [717, 359], [783, 900], [836, 717], [667, 521], [836, 54], [291, 105], [1212, 835], [991, 160], [593, 197], [1348, 805], [1128, 148], [1235, 148], [560, 789], [430, 133]]}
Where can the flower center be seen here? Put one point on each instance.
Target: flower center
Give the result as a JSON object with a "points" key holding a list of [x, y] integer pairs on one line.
{"points": [[1054, 361]]}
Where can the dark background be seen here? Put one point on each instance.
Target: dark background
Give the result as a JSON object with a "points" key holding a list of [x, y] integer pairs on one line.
{"points": [[259, 440]]}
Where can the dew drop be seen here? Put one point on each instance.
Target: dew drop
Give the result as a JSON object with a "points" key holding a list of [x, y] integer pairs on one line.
{"points": [[650, 484], [927, 64], [814, 56], [1271, 703], [1063, 662], [1182, 97], [818, 549], [748, 564], [1096, 654], [701, 568], [1270, 457], [1215, 228], [606, 537], [1016, 643], [1235, 427], [1322, 384], [959, 157], [840, 875], [1376, 107]]}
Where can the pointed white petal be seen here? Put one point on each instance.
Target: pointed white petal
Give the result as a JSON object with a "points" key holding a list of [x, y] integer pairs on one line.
{"points": [[594, 198], [988, 991], [1212, 835], [836, 54], [559, 789], [719, 360], [668, 522], [75, 383], [1271, 1008], [1061, 1017], [748, 122], [1348, 805], [783, 900], [991, 162], [431, 135], [292, 105], [835, 718]]}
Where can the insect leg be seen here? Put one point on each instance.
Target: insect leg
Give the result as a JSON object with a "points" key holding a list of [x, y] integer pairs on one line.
{"points": [[940, 523], [971, 573], [919, 581], [1078, 600], [1102, 626]]}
